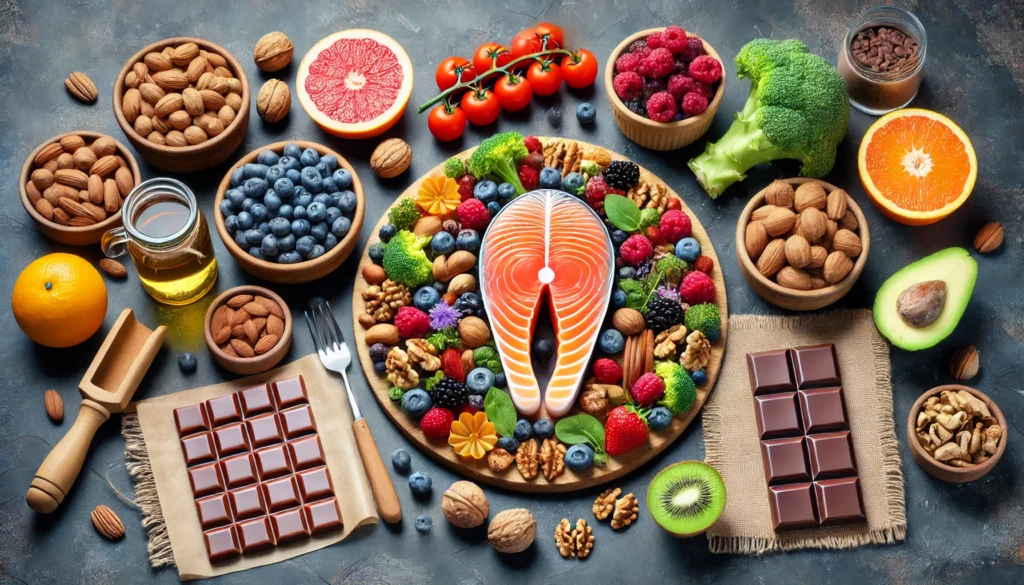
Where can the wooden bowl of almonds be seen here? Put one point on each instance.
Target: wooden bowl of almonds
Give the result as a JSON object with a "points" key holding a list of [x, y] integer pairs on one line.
{"points": [[956, 433], [802, 243], [248, 329], [73, 186], [183, 103]]}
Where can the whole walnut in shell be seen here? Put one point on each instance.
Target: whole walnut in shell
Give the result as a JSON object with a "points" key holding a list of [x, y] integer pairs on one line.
{"points": [[512, 531], [465, 505]]}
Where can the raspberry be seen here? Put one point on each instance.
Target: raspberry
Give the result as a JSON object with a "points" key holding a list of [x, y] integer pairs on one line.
{"points": [[647, 389], [596, 190], [694, 49], [411, 322], [694, 103], [704, 264], [535, 159], [680, 67], [706, 89], [697, 288], [532, 144], [466, 185], [628, 85], [675, 40], [659, 63], [627, 62], [437, 423], [636, 250], [706, 68], [451, 364], [529, 177], [655, 40], [653, 86], [473, 215], [675, 225], [680, 85], [661, 107], [607, 371]]}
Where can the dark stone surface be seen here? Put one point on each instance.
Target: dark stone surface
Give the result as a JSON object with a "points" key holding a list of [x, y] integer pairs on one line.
{"points": [[974, 74]]}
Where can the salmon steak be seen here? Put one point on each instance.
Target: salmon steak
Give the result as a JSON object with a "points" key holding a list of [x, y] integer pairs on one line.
{"points": [[546, 243]]}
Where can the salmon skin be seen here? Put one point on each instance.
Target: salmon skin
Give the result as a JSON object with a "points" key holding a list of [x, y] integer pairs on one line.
{"points": [[546, 242]]}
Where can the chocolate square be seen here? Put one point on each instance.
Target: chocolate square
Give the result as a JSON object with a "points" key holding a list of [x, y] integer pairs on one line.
{"points": [[264, 430], [839, 501], [191, 419], [831, 455], [792, 506], [198, 449], [231, 439], [289, 524], [256, 400], [247, 502], [777, 415], [213, 511], [816, 366], [784, 460], [223, 410], [323, 515], [205, 479], [280, 494], [306, 452], [272, 462], [770, 371], [823, 410], [221, 543], [255, 534], [315, 484], [290, 392], [238, 470], [297, 421]]}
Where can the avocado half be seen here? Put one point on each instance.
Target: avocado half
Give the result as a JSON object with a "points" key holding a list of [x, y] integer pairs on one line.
{"points": [[956, 268]]}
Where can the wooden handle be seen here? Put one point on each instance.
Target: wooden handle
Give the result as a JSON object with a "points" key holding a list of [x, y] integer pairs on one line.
{"points": [[388, 506], [61, 467]]}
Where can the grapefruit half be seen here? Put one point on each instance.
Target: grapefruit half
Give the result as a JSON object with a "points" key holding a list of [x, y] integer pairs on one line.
{"points": [[355, 83]]}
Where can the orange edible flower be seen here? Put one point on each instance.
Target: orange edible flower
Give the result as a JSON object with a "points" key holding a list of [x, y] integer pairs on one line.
{"points": [[472, 435], [438, 195]]}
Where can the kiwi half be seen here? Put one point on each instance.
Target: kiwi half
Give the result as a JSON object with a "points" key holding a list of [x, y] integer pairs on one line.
{"points": [[686, 498]]}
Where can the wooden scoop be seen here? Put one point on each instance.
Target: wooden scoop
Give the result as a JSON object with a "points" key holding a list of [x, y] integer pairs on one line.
{"points": [[106, 388]]}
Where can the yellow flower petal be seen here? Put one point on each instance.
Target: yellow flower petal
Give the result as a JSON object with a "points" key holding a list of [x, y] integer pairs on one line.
{"points": [[459, 427]]}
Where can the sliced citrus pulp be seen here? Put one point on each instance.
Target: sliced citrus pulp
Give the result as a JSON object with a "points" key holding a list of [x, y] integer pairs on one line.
{"points": [[355, 83], [917, 166]]}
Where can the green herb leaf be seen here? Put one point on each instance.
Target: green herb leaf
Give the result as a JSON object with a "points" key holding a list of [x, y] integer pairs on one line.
{"points": [[581, 428], [499, 410], [600, 459], [622, 212]]}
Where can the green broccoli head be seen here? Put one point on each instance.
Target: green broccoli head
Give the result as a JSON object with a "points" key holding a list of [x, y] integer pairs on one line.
{"points": [[405, 262], [396, 393], [798, 108], [454, 168], [650, 216], [705, 318], [590, 168], [497, 157], [432, 381], [680, 391], [672, 268], [445, 339], [487, 357], [403, 215]]}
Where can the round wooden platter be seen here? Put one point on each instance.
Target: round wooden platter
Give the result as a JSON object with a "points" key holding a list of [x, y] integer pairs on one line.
{"points": [[510, 479]]}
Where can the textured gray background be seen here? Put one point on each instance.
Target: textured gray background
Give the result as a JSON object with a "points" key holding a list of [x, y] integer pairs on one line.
{"points": [[974, 74]]}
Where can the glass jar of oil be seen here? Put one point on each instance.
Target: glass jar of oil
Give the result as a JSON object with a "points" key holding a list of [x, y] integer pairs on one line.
{"points": [[168, 240]]}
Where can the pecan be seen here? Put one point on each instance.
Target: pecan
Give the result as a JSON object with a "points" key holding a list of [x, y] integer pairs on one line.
{"points": [[373, 298], [666, 342], [527, 459], [499, 460], [400, 372], [573, 158], [626, 509], [424, 354], [604, 505], [552, 459], [698, 352]]}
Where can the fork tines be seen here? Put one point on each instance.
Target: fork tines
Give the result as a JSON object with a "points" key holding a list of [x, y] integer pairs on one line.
{"points": [[324, 327]]}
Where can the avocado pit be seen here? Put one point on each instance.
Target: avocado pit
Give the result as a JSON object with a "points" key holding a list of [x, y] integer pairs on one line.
{"points": [[919, 305]]}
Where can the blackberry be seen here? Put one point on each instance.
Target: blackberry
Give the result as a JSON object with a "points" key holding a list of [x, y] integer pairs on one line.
{"points": [[622, 175], [663, 314], [450, 393], [637, 107]]}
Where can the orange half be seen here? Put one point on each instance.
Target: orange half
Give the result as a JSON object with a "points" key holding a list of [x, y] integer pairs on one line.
{"points": [[917, 166]]}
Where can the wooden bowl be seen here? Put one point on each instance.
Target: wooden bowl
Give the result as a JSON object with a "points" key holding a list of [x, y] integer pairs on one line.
{"points": [[260, 363], [73, 236], [788, 298], [647, 132], [186, 159], [306, 270], [939, 469]]}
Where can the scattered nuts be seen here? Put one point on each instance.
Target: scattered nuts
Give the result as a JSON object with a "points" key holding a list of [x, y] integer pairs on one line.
{"points": [[107, 523], [113, 268], [79, 85], [465, 505], [274, 101], [563, 539], [527, 459], [473, 332], [626, 510], [989, 237], [552, 459], [247, 325], [965, 362], [273, 51], [512, 531], [500, 460], [399, 369], [604, 505], [374, 274], [575, 541], [391, 158], [54, 405]]}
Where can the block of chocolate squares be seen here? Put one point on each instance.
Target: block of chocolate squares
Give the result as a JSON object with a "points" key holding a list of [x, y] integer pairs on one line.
{"points": [[257, 469], [805, 437]]}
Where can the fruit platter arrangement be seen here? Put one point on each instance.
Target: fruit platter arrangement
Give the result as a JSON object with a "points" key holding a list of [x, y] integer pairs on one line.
{"points": [[451, 288]]}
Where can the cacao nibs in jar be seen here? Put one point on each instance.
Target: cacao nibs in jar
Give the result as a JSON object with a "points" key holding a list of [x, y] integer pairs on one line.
{"points": [[885, 50]]}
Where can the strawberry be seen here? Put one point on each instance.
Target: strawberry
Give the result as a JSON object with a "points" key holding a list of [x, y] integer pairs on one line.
{"points": [[437, 423], [624, 430], [451, 364]]}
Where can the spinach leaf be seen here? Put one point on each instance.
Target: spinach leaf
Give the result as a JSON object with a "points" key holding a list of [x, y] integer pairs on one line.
{"points": [[622, 212], [499, 410], [581, 428]]}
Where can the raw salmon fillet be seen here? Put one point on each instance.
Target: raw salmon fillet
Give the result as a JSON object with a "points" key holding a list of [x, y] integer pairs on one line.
{"points": [[546, 242]]}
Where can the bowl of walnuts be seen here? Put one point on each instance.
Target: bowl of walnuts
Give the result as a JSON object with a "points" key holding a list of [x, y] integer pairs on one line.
{"points": [[802, 243]]}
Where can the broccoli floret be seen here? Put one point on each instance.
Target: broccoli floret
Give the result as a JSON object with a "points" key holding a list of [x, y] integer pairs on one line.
{"points": [[487, 357], [672, 268], [632, 285], [680, 391], [432, 381], [454, 168], [405, 262], [404, 214], [650, 216], [445, 339], [798, 108], [704, 318], [590, 168], [396, 393], [497, 156]]}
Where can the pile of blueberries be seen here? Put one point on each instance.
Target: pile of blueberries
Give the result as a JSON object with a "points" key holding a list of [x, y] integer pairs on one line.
{"points": [[290, 207]]}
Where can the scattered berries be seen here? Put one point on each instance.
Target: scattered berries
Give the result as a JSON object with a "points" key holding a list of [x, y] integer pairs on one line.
{"points": [[532, 144], [659, 418], [466, 186], [661, 64], [529, 177], [401, 460], [636, 250], [607, 371], [680, 85], [647, 389], [473, 214], [706, 89], [694, 103], [640, 47], [661, 107], [675, 225], [675, 40], [436, 424], [628, 62], [628, 85], [704, 264], [611, 342], [706, 69], [420, 483], [451, 364], [596, 190], [411, 322], [697, 287], [424, 523], [187, 362]]}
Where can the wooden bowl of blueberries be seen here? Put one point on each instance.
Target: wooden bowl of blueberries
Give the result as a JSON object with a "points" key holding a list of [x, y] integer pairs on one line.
{"points": [[290, 212]]}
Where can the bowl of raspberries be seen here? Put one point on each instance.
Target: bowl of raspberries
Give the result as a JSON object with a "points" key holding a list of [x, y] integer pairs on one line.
{"points": [[665, 86]]}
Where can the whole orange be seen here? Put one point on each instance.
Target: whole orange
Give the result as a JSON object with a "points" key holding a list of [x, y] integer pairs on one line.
{"points": [[59, 300]]}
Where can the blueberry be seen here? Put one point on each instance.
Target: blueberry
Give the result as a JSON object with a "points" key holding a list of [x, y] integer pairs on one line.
{"points": [[506, 191], [332, 215], [586, 113], [376, 252], [330, 241], [304, 245], [379, 352], [423, 523], [317, 252], [550, 178], [573, 183], [476, 401], [264, 227], [293, 175], [275, 173], [619, 298], [510, 444], [420, 483], [292, 149], [627, 272], [416, 403], [241, 240], [579, 457], [499, 380], [486, 191], [226, 208], [254, 237], [469, 304], [284, 188], [259, 212], [236, 196], [323, 198], [493, 208], [255, 253], [611, 341], [329, 186], [699, 378], [267, 157], [319, 230], [269, 245], [619, 237], [301, 227], [677, 117], [321, 167], [341, 226], [542, 350], [347, 202], [316, 211], [292, 257], [255, 187], [380, 368], [255, 171], [311, 180], [441, 243], [247, 203], [309, 157], [302, 198], [543, 428], [524, 430], [401, 460], [286, 243], [331, 161], [688, 249], [272, 200], [426, 297], [231, 223], [187, 362], [287, 212], [245, 220], [237, 176], [342, 178], [289, 163], [299, 212], [479, 380], [468, 240], [659, 418]]}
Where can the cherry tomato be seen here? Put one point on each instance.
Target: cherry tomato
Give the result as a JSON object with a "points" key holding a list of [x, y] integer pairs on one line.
{"points": [[446, 122], [526, 42], [545, 77], [580, 69], [513, 92], [448, 71], [481, 107], [556, 38], [485, 55]]}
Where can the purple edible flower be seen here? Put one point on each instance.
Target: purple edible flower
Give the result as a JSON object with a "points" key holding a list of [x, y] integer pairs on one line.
{"points": [[668, 293], [443, 316]]}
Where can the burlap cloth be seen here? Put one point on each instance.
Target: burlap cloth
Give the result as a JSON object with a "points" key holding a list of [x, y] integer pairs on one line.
{"points": [[732, 446]]}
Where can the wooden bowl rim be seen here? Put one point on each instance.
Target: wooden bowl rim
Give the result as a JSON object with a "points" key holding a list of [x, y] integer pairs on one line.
{"points": [[305, 265], [916, 447], [274, 355], [27, 168], [842, 286], [616, 103], [204, 44]]}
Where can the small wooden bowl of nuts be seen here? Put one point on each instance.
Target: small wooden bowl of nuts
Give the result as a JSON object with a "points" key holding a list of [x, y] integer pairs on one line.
{"points": [[183, 103], [73, 186], [802, 243], [248, 329], [956, 433]]}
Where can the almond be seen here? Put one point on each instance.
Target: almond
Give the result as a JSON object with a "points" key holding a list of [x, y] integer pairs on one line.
{"points": [[184, 54], [847, 242], [72, 178], [80, 221], [798, 252], [210, 124], [239, 301], [374, 274], [275, 326], [42, 179], [251, 331], [260, 323], [44, 208], [385, 333], [54, 405], [818, 255], [849, 220], [175, 138], [222, 335], [71, 143], [56, 191], [104, 146], [104, 166], [271, 306], [192, 102], [794, 278], [265, 344], [211, 99], [171, 79], [255, 309], [240, 316], [214, 59], [131, 105], [243, 349], [228, 350], [73, 207], [84, 158], [179, 120], [168, 104], [194, 135], [157, 62], [232, 99], [221, 317], [107, 523], [836, 267], [989, 237], [47, 153], [113, 268], [196, 68], [830, 233], [143, 125], [94, 212], [835, 204], [65, 161], [80, 86], [779, 193], [818, 282], [33, 192], [151, 92], [779, 222], [125, 181], [140, 70], [60, 216], [813, 224], [773, 258], [226, 115], [809, 195], [111, 196], [755, 239], [223, 72]]}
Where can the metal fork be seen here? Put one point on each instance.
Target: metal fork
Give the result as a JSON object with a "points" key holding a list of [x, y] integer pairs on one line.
{"points": [[336, 357]]}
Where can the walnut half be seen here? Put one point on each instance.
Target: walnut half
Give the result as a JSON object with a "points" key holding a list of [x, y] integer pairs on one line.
{"points": [[552, 459], [564, 540], [527, 459], [626, 510], [604, 505], [574, 542]]}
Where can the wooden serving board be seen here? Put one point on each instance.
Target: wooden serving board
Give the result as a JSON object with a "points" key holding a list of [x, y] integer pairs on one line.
{"points": [[510, 479]]}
